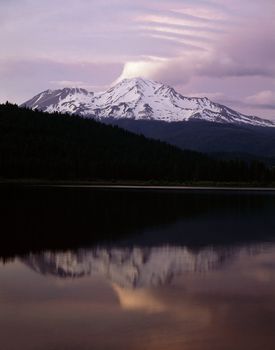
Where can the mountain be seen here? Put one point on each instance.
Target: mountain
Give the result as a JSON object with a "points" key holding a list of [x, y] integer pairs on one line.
{"points": [[225, 140], [157, 111], [139, 99]]}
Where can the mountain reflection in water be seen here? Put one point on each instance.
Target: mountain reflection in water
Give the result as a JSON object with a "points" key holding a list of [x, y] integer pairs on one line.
{"points": [[132, 267], [166, 297], [104, 270]]}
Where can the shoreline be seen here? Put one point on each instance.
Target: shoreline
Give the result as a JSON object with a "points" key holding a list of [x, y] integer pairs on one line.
{"points": [[169, 188], [142, 185]]}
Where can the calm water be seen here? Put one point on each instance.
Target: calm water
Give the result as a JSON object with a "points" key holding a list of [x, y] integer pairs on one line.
{"points": [[90, 268]]}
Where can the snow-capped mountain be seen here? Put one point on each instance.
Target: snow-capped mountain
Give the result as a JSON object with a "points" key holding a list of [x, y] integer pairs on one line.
{"points": [[139, 99]]}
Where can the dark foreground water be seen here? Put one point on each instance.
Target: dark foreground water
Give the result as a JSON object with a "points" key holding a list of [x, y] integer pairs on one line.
{"points": [[89, 269]]}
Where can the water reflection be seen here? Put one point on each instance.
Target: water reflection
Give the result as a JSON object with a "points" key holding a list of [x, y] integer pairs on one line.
{"points": [[116, 270], [137, 274], [133, 267], [167, 297], [57, 218]]}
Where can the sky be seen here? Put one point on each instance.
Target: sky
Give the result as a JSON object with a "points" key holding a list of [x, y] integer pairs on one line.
{"points": [[221, 49]]}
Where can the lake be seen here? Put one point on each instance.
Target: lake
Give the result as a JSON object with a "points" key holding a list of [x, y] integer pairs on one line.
{"points": [[120, 268]]}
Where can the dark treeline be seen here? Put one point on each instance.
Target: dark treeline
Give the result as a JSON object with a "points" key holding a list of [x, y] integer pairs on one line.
{"points": [[37, 145]]}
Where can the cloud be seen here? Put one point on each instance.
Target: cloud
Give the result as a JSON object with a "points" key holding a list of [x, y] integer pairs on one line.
{"points": [[243, 49], [145, 69], [178, 42], [180, 70], [22, 79], [262, 99], [75, 83]]}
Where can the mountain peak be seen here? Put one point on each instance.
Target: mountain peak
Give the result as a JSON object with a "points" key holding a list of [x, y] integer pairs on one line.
{"points": [[137, 81], [137, 85], [139, 98]]}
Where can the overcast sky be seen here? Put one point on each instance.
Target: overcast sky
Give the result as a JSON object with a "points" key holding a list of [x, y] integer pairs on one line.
{"points": [[222, 49]]}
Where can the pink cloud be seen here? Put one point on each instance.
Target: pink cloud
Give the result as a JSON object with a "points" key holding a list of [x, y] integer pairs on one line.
{"points": [[202, 45], [261, 99]]}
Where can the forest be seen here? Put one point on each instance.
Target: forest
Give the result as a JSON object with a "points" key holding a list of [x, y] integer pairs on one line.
{"points": [[42, 146]]}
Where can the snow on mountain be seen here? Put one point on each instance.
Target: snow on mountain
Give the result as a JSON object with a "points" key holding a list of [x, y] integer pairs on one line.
{"points": [[138, 99]]}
